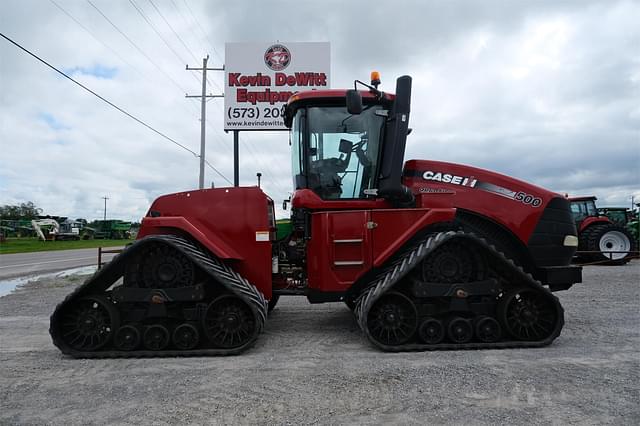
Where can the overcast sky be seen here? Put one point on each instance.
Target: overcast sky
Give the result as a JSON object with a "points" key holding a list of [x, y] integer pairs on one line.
{"points": [[545, 91]]}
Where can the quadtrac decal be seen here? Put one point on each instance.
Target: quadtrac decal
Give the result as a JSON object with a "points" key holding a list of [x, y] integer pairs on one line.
{"points": [[471, 182]]}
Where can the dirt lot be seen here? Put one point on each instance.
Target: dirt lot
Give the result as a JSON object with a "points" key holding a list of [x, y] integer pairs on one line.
{"points": [[313, 366]]}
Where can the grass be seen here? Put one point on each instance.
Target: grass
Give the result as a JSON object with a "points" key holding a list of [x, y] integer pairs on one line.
{"points": [[29, 245]]}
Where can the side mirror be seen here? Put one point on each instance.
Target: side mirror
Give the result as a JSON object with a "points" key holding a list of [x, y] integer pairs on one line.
{"points": [[345, 146], [354, 102]]}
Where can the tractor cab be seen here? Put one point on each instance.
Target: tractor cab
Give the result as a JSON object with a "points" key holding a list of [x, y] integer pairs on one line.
{"points": [[583, 207], [334, 153], [349, 144]]}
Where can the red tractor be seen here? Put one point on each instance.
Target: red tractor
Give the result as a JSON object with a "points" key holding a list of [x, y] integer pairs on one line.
{"points": [[600, 238], [428, 255]]}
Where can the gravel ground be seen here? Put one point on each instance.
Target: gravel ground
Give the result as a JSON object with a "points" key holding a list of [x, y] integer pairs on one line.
{"points": [[312, 365]]}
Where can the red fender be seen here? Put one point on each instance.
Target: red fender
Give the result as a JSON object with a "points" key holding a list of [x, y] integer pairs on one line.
{"points": [[593, 220], [180, 226]]}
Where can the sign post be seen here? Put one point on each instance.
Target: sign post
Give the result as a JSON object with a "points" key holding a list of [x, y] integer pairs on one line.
{"points": [[260, 78]]}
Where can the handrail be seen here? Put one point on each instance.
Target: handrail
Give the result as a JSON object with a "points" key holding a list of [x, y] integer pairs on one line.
{"points": [[102, 250]]}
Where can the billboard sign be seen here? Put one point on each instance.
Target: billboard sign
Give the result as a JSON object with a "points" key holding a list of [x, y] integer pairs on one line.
{"points": [[260, 78]]}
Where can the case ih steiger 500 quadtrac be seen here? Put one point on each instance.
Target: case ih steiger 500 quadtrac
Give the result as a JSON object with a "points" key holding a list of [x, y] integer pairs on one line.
{"points": [[431, 255]]}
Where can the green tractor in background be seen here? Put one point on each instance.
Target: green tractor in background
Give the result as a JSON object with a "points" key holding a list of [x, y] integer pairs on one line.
{"points": [[624, 217], [109, 230]]}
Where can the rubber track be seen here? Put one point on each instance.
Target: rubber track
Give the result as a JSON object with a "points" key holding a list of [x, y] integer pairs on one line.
{"points": [[112, 271], [412, 257]]}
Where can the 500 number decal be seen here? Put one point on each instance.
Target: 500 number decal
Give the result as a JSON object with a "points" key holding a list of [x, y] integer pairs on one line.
{"points": [[528, 199]]}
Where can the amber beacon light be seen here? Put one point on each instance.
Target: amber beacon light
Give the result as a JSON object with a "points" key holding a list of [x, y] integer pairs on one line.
{"points": [[375, 79]]}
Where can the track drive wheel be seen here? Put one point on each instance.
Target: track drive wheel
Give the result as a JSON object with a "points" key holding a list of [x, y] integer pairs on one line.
{"points": [[228, 322], [162, 266], [453, 263], [89, 323], [527, 314], [393, 319]]}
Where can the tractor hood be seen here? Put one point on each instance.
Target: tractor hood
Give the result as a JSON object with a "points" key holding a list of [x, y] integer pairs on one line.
{"points": [[512, 202]]}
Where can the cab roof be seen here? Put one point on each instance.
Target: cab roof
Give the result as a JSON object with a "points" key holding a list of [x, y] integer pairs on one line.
{"points": [[333, 94]]}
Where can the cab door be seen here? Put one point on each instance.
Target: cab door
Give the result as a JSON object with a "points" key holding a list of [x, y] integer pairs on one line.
{"points": [[340, 249]]}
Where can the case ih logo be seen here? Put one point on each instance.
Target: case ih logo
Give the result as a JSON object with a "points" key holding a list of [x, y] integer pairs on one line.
{"points": [[277, 57]]}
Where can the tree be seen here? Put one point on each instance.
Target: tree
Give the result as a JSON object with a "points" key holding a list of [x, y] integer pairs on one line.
{"points": [[26, 210]]}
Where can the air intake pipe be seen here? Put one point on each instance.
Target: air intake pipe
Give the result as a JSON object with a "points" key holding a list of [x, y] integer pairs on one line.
{"points": [[390, 180]]}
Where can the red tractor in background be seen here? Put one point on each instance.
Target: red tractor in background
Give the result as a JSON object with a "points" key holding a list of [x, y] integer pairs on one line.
{"points": [[428, 255], [603, 240]]}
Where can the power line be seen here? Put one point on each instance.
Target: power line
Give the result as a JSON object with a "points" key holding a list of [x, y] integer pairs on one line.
{"points": [[136, 46], [141, 13], [181, 41], [109, 102], [174, 31], [188, 25], [203, 31], [103, 43], [153, 27], [94, 36], [220, 174]]}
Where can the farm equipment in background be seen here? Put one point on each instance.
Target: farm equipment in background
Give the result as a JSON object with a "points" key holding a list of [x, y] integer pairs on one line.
{"points": [[603, 233], [48, 229], [428, 255], [110, 229], [16, 228]]}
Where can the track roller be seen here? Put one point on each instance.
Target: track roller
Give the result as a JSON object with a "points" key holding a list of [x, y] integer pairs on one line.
{"points": [[186, 336], [487, 329], [431, 331], [156, 337], [127, 338], [460, 330]]}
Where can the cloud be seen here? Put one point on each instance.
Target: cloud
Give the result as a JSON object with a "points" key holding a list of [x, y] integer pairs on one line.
{"points": [[545, 91]]}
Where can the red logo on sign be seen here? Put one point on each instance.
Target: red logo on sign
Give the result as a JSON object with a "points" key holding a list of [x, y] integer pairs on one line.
{"points": [[277, 57]]}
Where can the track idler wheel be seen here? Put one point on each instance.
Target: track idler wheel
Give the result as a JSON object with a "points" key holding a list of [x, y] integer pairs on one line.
{"points": [[127, 338], [186, 336], [460, 330], [393, 319], [527, 314], [89, 324], [431, 331], [228, 322], [488, 329], [156, 337]]}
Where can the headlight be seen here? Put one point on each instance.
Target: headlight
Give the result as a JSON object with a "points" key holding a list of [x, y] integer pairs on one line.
{"points": [[570, 241]]}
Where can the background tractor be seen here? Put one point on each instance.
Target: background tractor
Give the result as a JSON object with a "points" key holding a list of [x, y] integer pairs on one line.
{"points": [[428, 255], [603, 233]]}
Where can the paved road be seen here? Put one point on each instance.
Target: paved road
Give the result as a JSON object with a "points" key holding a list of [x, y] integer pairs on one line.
{"points": [[19, 264]]}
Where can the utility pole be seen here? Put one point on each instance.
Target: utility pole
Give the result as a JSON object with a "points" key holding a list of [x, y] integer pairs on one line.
{"points": [[203, 110], [105, 207]]}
